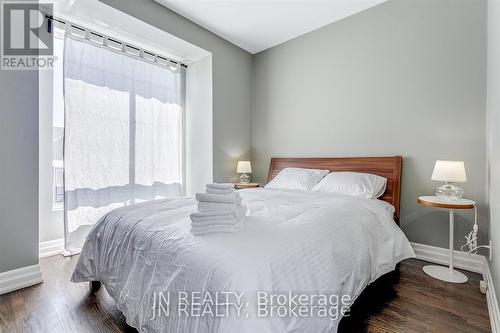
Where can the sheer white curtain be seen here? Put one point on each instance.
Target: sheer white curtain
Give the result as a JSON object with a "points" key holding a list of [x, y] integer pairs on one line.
{"points": [[123, 134]]}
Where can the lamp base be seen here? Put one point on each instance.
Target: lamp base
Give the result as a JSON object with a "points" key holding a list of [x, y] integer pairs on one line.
{"points": [[244, 178], [445, 274], [450, 191]]}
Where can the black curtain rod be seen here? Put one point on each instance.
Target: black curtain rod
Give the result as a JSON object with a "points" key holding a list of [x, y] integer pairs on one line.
{"points": [[49, 29]]}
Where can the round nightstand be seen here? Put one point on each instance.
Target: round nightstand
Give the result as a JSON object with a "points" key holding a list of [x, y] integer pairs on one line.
{"points": [[447, 274], [240, 186]]}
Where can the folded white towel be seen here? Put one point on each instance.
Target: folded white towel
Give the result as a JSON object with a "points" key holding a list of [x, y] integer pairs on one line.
{"points": [[215, 223], [220, 186], [198, 231], [218, 207], [216, 191], [236, 214], [221, 198]]}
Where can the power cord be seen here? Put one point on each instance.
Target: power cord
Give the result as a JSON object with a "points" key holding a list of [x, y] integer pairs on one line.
{"points": [[471, 239]]}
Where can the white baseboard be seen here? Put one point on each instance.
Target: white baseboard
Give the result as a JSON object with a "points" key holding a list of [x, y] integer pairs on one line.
{"points": [[20, 278], [491, 298], [438, 255], [50, 248], [474, 263]]}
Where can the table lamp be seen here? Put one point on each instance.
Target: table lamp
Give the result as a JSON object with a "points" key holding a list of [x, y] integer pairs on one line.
{"points": [[244, 167], [449, 172]]}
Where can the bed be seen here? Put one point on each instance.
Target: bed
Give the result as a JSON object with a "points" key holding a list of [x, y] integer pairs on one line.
{"points": [[297, 250]]}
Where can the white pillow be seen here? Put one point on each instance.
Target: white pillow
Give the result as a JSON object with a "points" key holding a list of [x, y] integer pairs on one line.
{"points": [[354, 184], [297, 179]]}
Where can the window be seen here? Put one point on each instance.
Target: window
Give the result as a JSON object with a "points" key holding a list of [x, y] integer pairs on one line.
{"points": [[58, 123], [123, 133], [57, 185], [145, 142]]}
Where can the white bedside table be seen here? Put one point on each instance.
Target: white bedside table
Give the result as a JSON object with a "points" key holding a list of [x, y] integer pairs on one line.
{"points": [[447, 274]]}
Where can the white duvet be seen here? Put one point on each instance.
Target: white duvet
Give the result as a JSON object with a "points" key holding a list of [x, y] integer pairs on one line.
{"points": [[301, 242]]}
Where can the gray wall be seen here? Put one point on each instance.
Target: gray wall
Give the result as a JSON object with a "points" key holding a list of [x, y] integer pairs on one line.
{"points": [[18, 169], [494, 134], [232, 82], [406, 77]]}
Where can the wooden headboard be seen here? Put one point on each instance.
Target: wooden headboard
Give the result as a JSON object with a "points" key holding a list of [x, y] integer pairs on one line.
{"points": [[388, 167]]}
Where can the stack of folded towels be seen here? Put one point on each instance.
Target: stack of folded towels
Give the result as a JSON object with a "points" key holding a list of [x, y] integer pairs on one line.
{"points": [[219, 210]]}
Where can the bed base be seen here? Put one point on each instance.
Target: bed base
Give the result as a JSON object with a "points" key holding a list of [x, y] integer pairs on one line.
{"points": [[94, 286]]}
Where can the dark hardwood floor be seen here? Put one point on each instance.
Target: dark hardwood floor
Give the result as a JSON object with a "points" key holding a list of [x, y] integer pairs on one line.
{"points": [[403, 301], [408, 300]]}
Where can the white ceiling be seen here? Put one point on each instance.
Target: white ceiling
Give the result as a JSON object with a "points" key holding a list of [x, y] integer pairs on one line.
{"points": [[256, 25]]}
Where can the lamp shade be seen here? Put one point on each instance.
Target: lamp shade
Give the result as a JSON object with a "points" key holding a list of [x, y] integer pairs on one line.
{"points": [[449, 171], [244, 167]]}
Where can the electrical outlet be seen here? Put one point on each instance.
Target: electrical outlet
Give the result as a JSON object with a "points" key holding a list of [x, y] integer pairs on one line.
{"points": [[483, 286]]}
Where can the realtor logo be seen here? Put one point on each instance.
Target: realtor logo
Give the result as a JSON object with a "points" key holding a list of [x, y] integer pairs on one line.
{"points": [[26, 43]]}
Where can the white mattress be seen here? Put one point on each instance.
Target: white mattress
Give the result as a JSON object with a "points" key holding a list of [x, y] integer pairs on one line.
{"points": [[306, 242]]}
